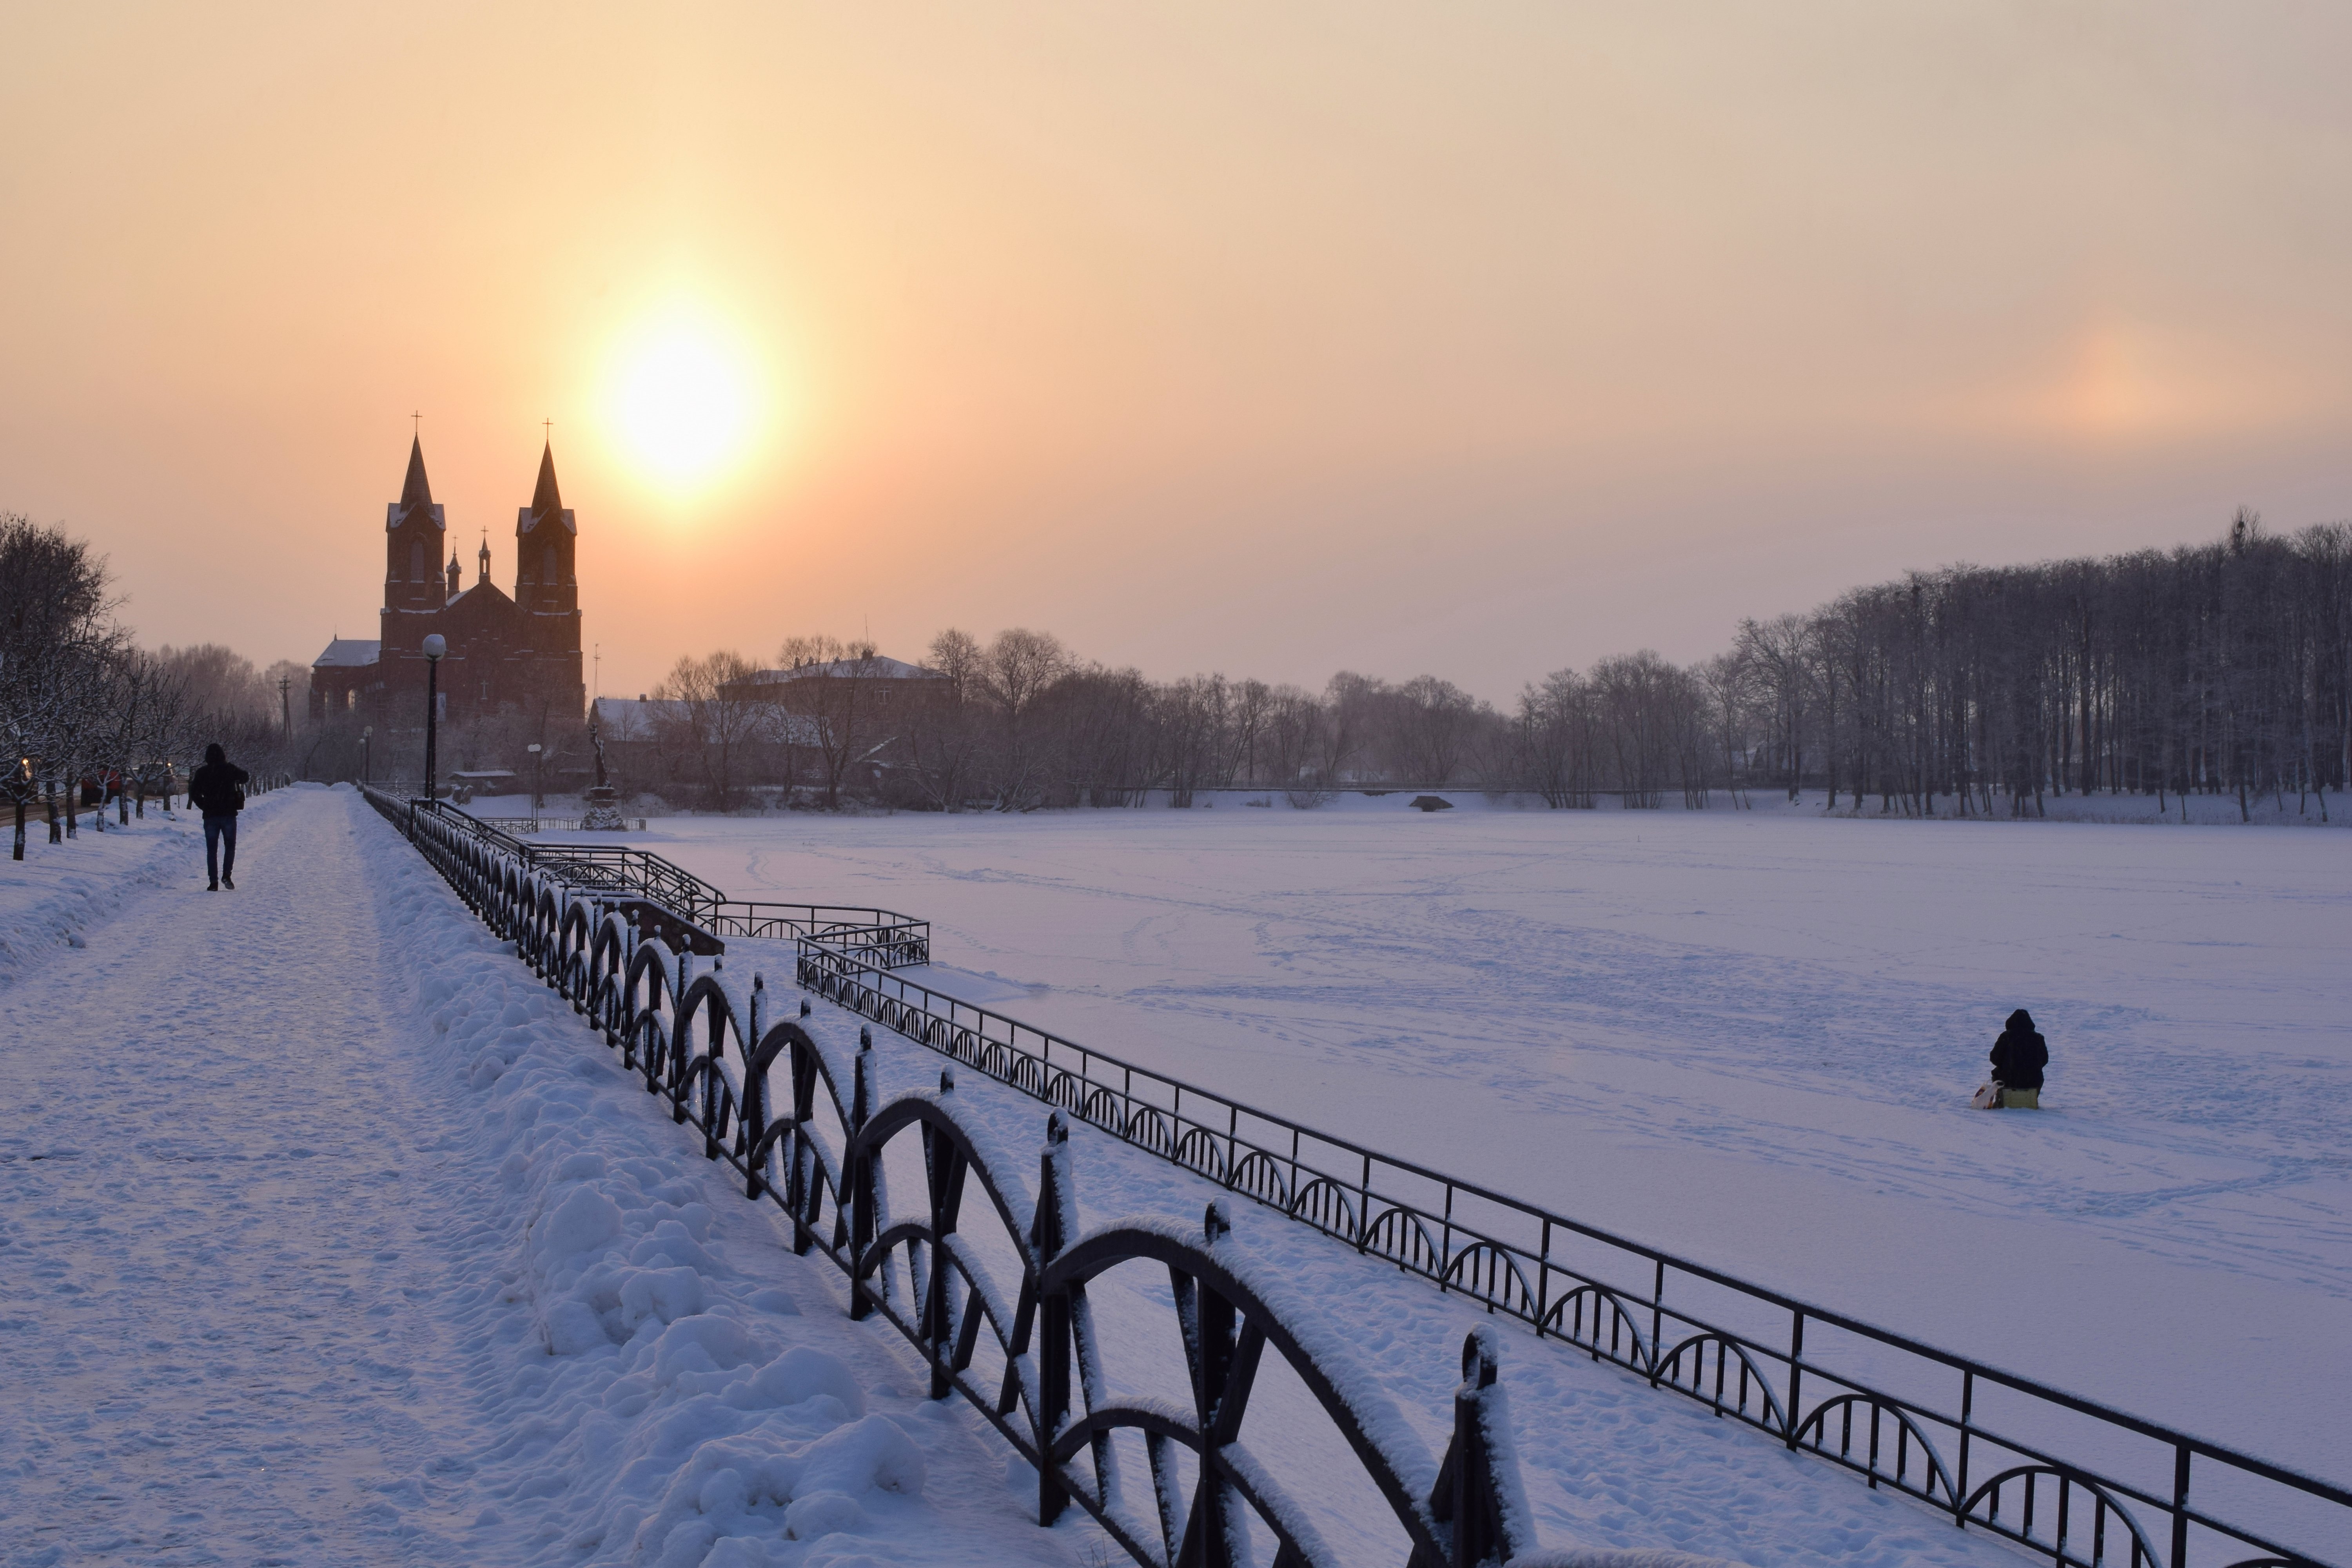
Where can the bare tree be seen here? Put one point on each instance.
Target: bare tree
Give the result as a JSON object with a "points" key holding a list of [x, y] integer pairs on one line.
{"points": [[832, 684], [1016, 672], [719, 729]]}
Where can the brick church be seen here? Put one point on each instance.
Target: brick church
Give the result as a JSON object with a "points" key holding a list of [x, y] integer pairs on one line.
{"points": [[517, 654]]}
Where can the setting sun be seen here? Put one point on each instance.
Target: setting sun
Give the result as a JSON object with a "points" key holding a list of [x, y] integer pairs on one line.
{"points": [[683, 402]]}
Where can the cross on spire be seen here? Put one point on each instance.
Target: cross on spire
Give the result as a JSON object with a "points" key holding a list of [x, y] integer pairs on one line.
{"points": [[417, 423]]}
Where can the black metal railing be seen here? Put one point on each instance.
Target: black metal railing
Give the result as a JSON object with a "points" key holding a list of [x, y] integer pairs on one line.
{"points": [[2071, 1478], [1028, 1359], [884, 938]]}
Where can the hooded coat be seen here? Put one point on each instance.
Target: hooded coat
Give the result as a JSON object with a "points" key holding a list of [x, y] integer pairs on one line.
{"points": [[2020, 1053], [217, 789]]}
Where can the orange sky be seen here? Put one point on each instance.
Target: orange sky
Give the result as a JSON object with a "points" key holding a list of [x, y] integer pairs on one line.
{"points": [[1274, 339]]}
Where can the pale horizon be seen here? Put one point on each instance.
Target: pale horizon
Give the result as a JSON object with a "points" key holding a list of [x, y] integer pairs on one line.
{"points": [[1389, 340]]}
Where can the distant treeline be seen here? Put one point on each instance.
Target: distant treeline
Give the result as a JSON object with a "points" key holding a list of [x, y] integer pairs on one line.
{"points": [[2215, 669]]}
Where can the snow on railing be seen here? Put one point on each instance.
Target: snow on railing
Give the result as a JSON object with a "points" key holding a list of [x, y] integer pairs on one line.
{"points": [[1970, 1440], [1028, 1358]]}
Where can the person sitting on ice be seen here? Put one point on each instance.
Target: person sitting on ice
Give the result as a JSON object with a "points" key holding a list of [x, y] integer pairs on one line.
{"points": [[2017, 1058]]}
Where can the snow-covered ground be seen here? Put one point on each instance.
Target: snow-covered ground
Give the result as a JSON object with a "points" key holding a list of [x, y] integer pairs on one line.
{"points": [[1750, 1038], [330, 1236], [57, 891], [378, 1255]]}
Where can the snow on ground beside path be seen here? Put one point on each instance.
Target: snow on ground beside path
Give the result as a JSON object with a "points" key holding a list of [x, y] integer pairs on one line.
{"points": [[53, 896], [1747, 1038], [336, 1239]]}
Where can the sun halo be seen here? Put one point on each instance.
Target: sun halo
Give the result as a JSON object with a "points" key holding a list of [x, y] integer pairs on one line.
{"points": [[683, 401]]}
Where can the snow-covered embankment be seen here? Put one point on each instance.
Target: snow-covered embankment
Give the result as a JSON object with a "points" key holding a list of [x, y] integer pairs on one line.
{"points": [[665, 1398]]}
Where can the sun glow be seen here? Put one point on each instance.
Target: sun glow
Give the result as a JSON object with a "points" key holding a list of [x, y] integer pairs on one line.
{"points": [[684, 400]]}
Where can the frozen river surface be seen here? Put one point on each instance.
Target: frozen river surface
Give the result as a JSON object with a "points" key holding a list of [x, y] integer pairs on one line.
{"points": [[1747, 1037]]}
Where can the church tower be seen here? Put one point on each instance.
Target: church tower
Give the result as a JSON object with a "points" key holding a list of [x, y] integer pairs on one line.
{"points": [[545, 533], [412, 531], [547, 591]]}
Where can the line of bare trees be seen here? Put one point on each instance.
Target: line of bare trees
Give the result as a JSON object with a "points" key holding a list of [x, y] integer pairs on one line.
{"points": [[89, 718], [2217, 668]]}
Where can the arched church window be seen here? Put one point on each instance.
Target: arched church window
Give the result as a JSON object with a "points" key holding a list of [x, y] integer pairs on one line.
{"points": [[416, 561], [547, 567]]}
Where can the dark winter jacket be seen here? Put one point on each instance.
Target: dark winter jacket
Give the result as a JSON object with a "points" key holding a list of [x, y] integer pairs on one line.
{"points": [[217, 789], [2021, 1054]]}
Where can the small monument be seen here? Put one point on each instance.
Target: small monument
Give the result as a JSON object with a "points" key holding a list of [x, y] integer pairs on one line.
{"points": [[603, 800]]}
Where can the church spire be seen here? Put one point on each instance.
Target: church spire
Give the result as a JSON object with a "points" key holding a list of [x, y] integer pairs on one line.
{"points": [[546, 501], [414, 489]]}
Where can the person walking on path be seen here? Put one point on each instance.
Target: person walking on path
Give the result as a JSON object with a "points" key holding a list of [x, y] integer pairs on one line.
{"points": [[2017, 1058], [217, 789]]}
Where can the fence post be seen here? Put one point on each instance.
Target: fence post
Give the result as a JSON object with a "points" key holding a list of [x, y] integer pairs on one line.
{"points": [[944, 1168], [2180, 1506], [1053, 1322], [861, 1178], [1543, 1280], [1968, 1412], [1796, 1374], [1657, 1318]]}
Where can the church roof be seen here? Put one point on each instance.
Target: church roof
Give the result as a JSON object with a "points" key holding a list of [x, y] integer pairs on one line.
{"points": [[345, 653], [546, 499], [414, 489], [619, 718], [879, 668]]}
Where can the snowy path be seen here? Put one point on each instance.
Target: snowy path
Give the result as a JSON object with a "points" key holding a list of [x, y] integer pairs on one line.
{"points": [[278, 1256]]}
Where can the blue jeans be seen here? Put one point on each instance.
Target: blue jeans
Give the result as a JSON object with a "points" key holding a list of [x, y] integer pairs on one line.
{"points": [[220, 833]]}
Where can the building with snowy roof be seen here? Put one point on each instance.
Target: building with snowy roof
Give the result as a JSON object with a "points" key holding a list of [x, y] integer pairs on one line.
{"points": [[877, 683], [516, 653]]}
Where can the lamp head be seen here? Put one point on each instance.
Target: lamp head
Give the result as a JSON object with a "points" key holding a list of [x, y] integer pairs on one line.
{"points": [[436, 645], [532, 748]]}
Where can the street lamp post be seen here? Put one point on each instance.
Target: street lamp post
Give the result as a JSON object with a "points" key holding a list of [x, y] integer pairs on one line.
{"points": [[367, 776], [435, 647], [537, 777]]}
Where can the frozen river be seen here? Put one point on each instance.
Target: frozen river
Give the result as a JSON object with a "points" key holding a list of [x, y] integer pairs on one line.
{"points": [[1747, 1038]]}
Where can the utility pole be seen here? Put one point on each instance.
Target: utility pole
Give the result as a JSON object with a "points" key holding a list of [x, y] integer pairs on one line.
{"points": [[286, 703]]}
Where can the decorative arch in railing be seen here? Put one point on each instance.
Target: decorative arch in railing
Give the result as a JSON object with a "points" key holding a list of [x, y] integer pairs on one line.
{"points": [[1577, 1316], [1813, 1435], [1329, 1207], [2066, 1537], [1685, 1367], [1471, 1513]]}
